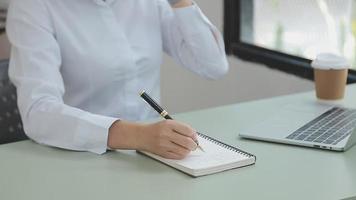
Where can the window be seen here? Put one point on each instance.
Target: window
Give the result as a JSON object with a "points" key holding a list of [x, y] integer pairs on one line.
{"points": [[288, 34]]}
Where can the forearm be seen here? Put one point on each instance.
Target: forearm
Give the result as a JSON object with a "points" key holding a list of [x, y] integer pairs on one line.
{"points": [[194, 42]]}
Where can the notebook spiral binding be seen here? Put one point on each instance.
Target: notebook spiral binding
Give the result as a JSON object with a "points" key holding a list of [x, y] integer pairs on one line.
{"points": [[232, 148]]}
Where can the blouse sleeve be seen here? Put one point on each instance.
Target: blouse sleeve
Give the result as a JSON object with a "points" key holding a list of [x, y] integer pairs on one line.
{"points": [[35, 70], [191, 39]]}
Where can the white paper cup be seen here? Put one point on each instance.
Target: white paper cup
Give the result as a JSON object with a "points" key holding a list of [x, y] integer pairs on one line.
{"points": [[330, 76]]}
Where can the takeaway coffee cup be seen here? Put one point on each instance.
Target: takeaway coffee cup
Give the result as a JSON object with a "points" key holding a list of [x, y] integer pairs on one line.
{"points": [[330, 76]]}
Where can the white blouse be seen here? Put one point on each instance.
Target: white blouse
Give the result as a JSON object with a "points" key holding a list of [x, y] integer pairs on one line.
{"points": [[79, 65]]}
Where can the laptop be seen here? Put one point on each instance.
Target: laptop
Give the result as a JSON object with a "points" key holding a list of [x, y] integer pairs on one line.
{"points": [[310, 124]]}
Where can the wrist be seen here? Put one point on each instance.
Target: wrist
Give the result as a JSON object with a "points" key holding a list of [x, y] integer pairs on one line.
{"points": [[125, 135]]}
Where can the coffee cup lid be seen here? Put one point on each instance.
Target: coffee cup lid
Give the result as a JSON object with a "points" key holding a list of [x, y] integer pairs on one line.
{"points": [[330, 61]]}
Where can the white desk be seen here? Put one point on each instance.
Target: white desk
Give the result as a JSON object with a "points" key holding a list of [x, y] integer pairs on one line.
{"points": [[30, 171]]}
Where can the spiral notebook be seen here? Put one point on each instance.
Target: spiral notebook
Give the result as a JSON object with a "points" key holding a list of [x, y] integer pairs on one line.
{"points": [[217, 157]]}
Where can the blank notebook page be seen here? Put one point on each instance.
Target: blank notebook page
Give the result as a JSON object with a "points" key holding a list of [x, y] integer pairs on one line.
{"points": [[214, 155]]}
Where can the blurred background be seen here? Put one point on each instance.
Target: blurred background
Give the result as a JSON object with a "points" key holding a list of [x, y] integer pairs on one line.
{"points": [[183, 91], [305, 28], [4, 43]]}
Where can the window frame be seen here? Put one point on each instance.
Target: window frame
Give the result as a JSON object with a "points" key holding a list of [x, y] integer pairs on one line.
{"points": [[273, 59]]}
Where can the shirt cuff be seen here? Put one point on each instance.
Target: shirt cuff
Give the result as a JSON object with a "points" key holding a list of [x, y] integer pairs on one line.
{"points": [[94, 136], [191, 20]]}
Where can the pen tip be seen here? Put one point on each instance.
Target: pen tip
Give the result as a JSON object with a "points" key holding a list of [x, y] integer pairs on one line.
{"points": [[201, 149]]}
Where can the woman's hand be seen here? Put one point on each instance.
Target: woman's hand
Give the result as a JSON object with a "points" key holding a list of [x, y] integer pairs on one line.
{"points": [[180, 3], [168, 138]]}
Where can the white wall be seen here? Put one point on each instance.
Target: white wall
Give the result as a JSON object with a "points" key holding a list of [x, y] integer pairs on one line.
{"points": [[184, 91]]}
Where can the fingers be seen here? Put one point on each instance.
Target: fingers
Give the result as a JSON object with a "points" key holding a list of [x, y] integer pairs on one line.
{"points": [[183, 135], [169, 149], [179, 149], [176, 152], [183, 129], [170, 139], [183, 141], [170, 146]]}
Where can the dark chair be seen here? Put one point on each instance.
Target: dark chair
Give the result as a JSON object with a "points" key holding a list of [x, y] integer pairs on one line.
{"points": [[10, 122], [3, 13]]}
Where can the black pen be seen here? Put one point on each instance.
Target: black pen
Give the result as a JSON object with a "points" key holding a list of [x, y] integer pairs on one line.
{"points": [[161, 111]]}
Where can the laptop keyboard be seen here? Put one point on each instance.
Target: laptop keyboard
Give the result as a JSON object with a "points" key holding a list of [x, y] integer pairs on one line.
{"points": [[329, 128]]}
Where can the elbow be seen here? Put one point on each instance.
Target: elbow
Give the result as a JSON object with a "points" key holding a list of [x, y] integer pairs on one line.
{"points": [[218, 70], [30, 130], [32, 122]]}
